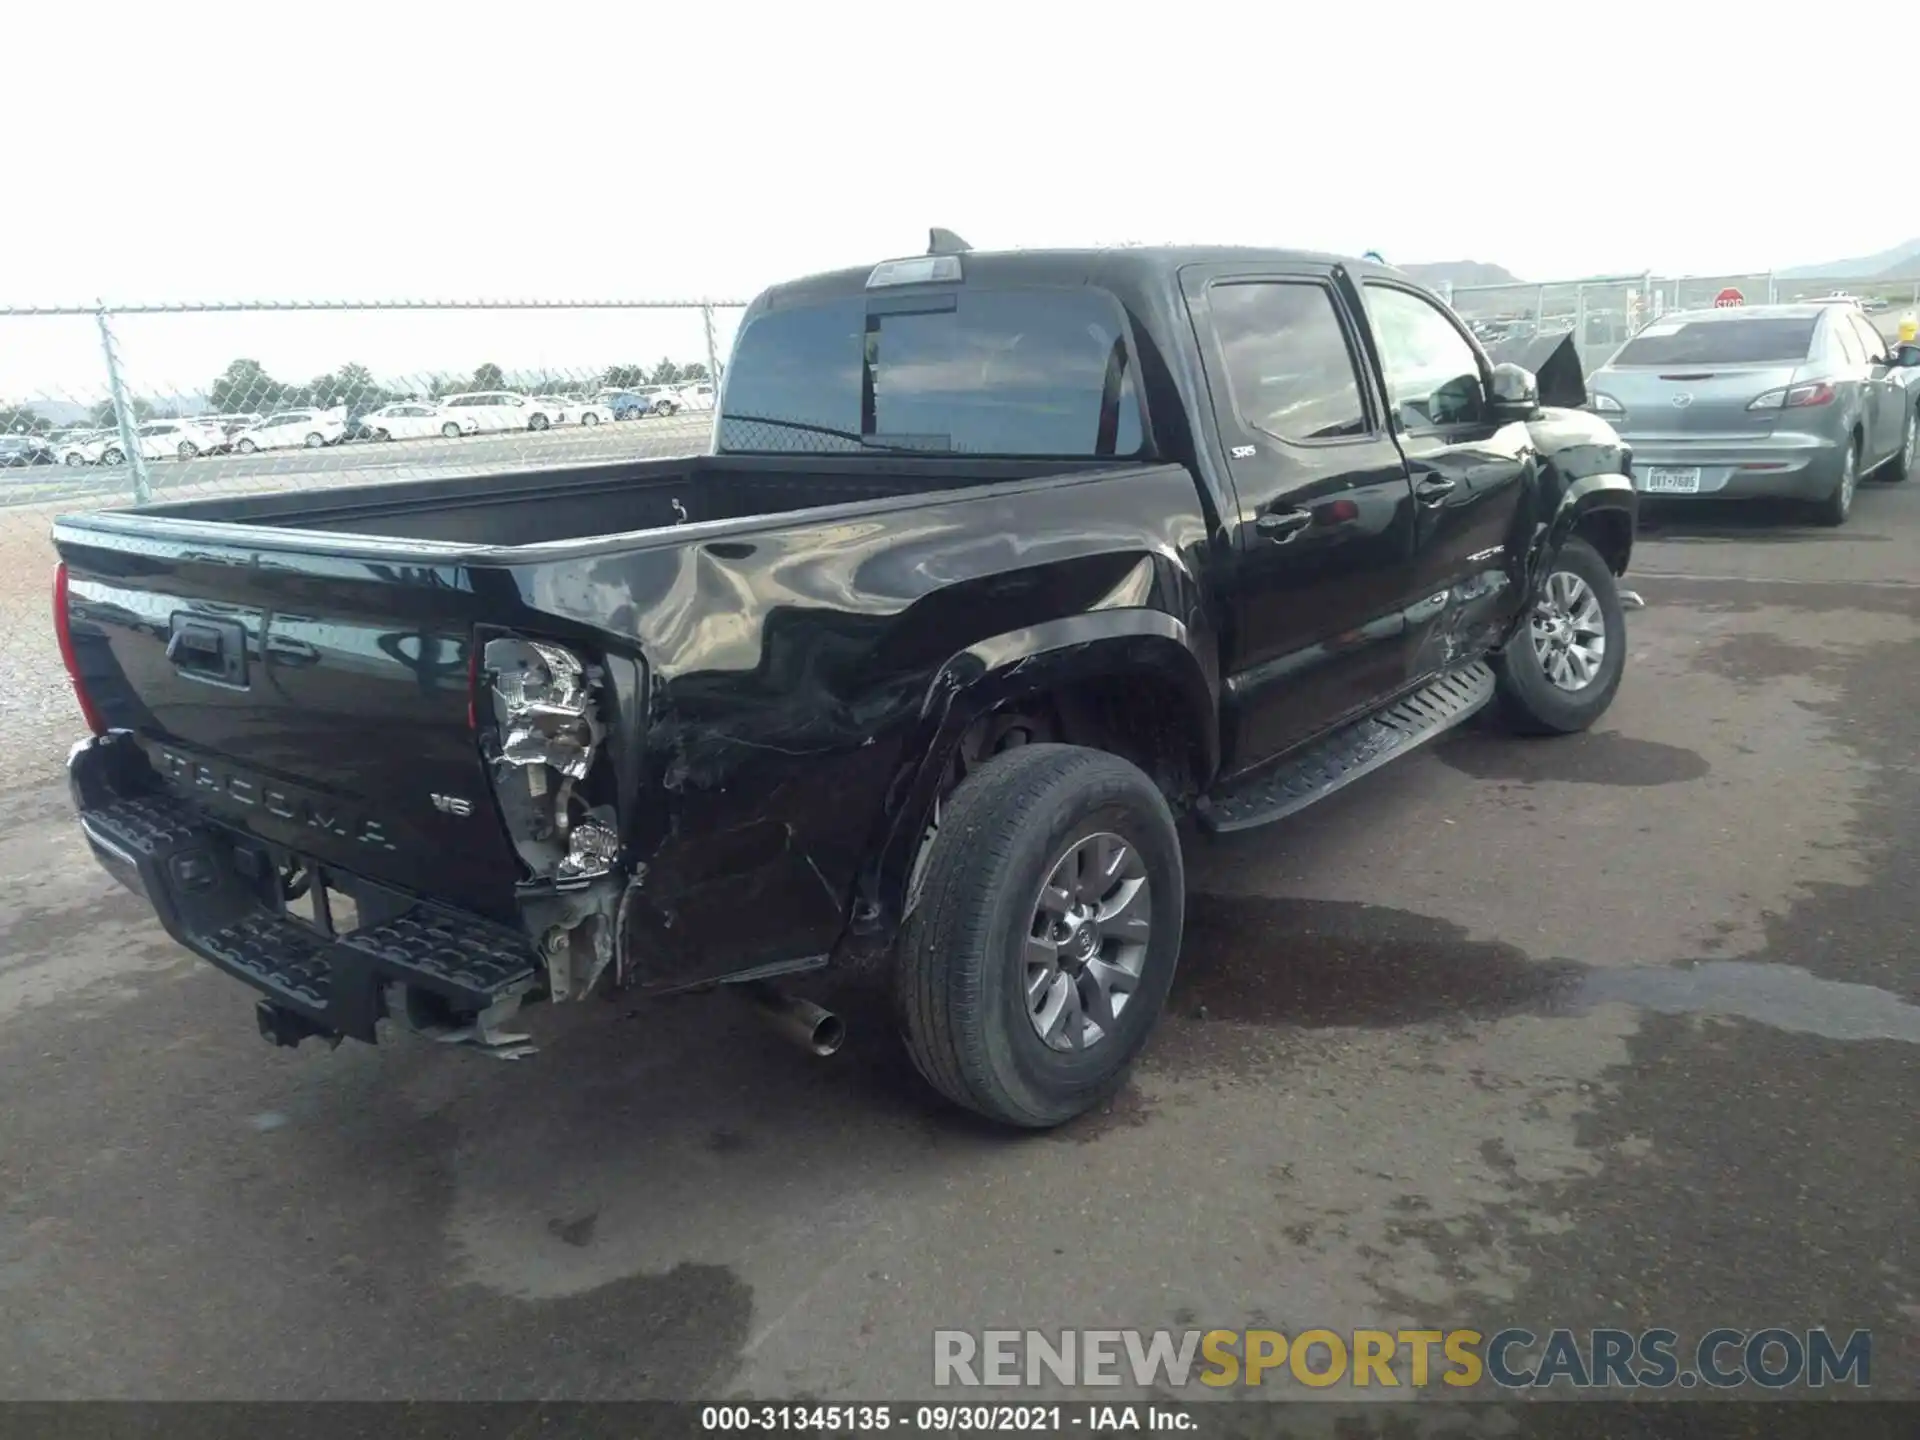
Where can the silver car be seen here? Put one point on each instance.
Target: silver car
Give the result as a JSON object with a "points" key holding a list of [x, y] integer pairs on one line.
{"points": [[1790, 400]]}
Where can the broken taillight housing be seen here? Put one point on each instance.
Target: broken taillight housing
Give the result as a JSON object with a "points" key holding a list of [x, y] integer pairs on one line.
{"points": [[548, 730], [63, 633]]}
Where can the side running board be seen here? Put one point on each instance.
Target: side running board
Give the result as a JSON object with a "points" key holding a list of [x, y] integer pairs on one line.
{"points": [[1298, 780]]}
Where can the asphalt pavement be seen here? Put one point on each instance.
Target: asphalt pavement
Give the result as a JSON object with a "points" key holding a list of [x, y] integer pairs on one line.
{"points": [[1619, 1029]]}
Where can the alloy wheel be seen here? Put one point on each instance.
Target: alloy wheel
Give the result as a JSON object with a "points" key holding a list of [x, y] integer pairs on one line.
{"points": [[1087, 942], [1569, 631]]}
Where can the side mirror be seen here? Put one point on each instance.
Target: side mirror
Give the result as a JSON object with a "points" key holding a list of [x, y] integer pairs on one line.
{"points": [[1516, 392]]}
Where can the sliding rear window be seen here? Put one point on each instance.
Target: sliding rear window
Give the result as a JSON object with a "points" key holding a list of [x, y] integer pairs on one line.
{"points": [[1756, 341], [969, 371]]}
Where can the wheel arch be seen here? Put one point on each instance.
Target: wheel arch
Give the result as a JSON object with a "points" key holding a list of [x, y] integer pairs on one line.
{"points": [[1136, 683]]}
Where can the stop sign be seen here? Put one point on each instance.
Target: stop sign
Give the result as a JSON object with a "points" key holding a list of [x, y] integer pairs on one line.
{"points": [[1728, 297]]}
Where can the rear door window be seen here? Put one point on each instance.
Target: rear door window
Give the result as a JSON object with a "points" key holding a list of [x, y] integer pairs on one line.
{"points": [[1751, 340], [1004, 372]]}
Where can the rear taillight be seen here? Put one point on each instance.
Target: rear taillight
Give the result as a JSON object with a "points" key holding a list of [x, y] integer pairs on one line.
{"points": [[63, 631], [547, 732], [1793, 397]]}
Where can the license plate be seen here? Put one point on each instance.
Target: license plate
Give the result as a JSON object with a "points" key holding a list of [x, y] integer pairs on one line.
{"points": [[1672, 480]]}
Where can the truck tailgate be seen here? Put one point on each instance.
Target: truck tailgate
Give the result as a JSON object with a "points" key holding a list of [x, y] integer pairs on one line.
{"points": [[318, 702]]}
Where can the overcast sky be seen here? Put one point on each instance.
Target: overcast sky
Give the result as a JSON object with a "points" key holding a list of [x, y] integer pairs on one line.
{"points": [[198, 151]]}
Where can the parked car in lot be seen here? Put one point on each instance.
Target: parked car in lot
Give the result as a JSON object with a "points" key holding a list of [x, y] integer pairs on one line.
{"points": [[291, 429], [18, 450], [232, 424], [563, 411], [960, 623], [625, 404], [418, 419], [672, 399], [499, 410], [178, 439], [90, 447], [1794, 400]]}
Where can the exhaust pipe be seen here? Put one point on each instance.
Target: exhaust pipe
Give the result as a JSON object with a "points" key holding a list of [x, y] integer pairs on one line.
{"points": [[812, 1027]]}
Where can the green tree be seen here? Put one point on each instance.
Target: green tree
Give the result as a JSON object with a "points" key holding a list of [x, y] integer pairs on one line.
{"points": [[352, 386], [693, 372], [625, 377], [245, 386], [19, 419], [489, 377], [666, 373]]}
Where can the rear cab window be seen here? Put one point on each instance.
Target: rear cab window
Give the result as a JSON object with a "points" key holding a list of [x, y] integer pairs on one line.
{"points": [[1012, 371], [1749, 340]]}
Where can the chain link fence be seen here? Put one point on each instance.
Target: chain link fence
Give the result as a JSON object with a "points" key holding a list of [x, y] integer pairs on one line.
{"points": [[117, 405], [1603, 312], [108, 406]]}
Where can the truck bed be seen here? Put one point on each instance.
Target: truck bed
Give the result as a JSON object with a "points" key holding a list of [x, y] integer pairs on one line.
{"points": [[544, 506]]}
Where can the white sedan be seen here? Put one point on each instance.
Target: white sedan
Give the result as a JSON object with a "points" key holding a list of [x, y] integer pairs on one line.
{"points": [[575, 412], [289, 429], [417, 420], [89, 447], [498, 410], [674, 399], [157, 439]]}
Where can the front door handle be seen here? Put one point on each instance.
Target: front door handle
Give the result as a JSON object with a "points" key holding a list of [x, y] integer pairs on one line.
{"points": [[1281, 526], [1434, 489]]}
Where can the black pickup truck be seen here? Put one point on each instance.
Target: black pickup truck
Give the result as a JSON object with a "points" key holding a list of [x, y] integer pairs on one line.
{"points": [[999, 565]]}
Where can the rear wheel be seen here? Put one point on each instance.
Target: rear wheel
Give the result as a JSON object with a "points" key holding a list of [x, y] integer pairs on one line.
{"points": [[588, 417], [187, 450], [538, 422], [450, 430], [1044, 942], [1835, 509], [665, 407], [1559, 672], [315, 440], [382, 435], [246, 447], [113, 456], [75, 460]]}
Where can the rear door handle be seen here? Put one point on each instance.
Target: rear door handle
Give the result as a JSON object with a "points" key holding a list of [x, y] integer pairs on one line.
{"points": [[1434, 489], [1281, 526]]}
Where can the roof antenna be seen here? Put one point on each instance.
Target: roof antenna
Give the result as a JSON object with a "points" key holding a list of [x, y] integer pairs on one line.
{"points": [[945, 242]]}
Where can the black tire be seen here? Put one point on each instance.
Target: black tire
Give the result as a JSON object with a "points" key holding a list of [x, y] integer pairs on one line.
{"points": [[1528, 697], [1835, 509], [381, 436], [186, 450], [538, 422], [667, 408], [246, 447], [959, 967], [450, 430], [1902, 464], [74, 459], [588, 417], [314, 440], [112, 456]]}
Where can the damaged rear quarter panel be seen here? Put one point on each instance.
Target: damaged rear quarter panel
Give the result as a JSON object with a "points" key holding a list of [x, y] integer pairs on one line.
{"points": [[792, 664]]}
